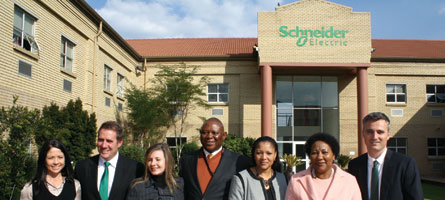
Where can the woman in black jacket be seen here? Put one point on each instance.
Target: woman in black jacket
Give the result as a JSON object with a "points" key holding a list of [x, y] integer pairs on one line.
{"points": [[159, 181]]}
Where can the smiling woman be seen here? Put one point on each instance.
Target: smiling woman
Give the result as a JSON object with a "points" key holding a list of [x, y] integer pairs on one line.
{"points": [[323, 179], [159, 181], [54, 178]]}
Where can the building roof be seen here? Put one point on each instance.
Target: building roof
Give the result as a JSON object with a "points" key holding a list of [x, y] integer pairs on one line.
{"points": [[185, 47], [408, 48], [194, 47]]}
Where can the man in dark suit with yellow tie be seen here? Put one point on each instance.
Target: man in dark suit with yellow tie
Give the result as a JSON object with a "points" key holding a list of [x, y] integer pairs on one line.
{"points": [[381, 173], [208, 172], [107, 176]]}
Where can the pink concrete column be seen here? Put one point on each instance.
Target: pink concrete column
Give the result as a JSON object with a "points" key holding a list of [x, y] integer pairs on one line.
{"points": [[266, 100], [362, 103]]}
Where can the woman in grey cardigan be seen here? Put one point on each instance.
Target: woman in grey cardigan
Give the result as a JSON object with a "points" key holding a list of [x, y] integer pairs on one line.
{"points": [[264, 180]]}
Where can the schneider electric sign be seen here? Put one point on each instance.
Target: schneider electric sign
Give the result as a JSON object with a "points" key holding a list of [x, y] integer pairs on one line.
{"points": [[325, 36]]}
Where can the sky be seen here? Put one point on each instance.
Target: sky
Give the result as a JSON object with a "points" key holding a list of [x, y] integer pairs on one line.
{"points": [[141, 19]]}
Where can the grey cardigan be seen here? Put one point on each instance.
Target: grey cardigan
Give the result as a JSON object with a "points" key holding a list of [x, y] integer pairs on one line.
{"points": [[248, 187]]}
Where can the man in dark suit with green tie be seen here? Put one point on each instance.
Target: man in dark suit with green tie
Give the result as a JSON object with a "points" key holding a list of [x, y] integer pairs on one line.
{"points": [[381, 173], [107, 176]]}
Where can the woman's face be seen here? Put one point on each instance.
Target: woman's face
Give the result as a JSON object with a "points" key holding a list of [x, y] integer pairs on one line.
{"points": [[55, 161], [156, 162], [265, 155], [321, 157]]}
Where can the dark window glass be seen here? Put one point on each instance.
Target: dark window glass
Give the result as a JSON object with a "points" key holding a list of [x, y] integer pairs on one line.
{"points": [[431, 142], [430, 89], [306, 117], [67, 85], [25, 68], [390, 98]]}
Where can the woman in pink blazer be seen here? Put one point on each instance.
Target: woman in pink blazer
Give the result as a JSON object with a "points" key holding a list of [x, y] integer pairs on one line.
{"points": [[323, 179]]}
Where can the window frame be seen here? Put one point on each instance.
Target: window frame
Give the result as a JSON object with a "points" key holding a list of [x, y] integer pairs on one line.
{"points": [[397, 147], [120, 85], [428, 95], [173, 137], [107, 78], [19, 35], [436, 147], [217, 93], [64, 55], [395, 93]]}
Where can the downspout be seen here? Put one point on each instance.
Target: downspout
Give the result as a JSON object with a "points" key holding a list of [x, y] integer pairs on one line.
{"points": [[96, 37], [145, 71]]}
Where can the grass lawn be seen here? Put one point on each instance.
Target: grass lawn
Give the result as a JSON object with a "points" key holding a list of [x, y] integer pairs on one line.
{"points": [[433, 192]]}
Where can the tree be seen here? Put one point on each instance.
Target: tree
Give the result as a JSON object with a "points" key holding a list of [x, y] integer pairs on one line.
{"points": [[72, 125], [167, 103], [176, 87], [17, 125], [146, 115]]}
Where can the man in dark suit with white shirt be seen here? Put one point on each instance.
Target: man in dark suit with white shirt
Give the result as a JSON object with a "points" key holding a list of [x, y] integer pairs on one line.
{"points": [[208, 172], [107, 176], [381, 173]]}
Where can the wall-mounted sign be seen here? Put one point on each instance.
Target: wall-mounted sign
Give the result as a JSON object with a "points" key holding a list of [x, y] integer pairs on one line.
{"points": [[316, 37]]}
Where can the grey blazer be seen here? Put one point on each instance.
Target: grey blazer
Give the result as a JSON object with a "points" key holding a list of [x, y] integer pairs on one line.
{"points": [[142, 190], [248, 187]]}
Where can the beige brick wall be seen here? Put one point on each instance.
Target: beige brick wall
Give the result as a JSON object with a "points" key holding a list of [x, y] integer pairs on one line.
{"points": [[57, 19], [313, 15]]}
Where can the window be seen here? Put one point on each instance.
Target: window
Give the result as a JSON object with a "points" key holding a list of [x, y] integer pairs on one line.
{"points": [[436, 113], [395, 93], [120, 107], [107, 102], [398, 144], [435, 93], [217, 112], [23, 34], [436, 147], [171, 141], [67, 85], [218, 93], [107, 78], [66, 55], [120, 86], [25, 68]]}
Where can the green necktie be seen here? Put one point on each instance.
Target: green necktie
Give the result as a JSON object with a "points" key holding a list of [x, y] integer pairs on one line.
{"points": [[375, 181], [103, 188]]}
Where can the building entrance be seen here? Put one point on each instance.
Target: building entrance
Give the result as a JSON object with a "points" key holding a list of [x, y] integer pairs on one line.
{"points": [[304, 105]]}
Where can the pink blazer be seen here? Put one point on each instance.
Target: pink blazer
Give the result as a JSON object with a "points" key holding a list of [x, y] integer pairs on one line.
{"points": [[344, 186]]}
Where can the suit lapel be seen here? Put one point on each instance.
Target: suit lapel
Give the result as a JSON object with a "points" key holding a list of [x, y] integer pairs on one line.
{"points": [[388, 169], [118, 175]]}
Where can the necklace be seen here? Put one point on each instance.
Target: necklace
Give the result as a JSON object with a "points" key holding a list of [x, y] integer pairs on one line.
{"points": [[266, 183], [314, 176]]}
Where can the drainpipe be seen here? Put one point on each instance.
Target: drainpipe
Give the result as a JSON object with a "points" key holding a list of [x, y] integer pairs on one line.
{"points": [[96, 37], [145, 71]]}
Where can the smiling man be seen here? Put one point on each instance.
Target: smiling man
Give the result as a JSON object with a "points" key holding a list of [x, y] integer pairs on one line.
{"points": [[381, 173], [107, 175], [208, 172]]}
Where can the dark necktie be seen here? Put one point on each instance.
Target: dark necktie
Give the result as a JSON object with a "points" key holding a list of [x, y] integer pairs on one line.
{"points": [[375, 181], [103, 188]]}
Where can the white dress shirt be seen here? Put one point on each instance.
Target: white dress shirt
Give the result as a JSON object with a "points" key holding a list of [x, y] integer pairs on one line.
{"points": [[213, 153], [111, 171], [371, 160]]}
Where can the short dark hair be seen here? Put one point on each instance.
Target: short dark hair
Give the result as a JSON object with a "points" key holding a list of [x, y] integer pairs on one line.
{"points": [[276, 164], [213, 119], [328, 139], [67, 171], [375, 116], [112, 125]]}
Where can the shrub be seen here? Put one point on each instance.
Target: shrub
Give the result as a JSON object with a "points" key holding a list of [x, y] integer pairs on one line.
{"points": [[134, 152], [239, 145], [17, 125]]}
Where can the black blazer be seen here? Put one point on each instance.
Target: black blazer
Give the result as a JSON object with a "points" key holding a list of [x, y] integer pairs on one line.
{"points": [[218, 188], [400, 176], [126, 170]]}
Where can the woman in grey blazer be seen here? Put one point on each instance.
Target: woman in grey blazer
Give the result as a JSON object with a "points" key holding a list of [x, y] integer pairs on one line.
{"points": [[159, 181], [263, 180]]}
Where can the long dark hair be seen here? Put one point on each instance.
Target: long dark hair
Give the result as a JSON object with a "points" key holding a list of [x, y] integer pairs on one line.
{"points": [[67, 170], [276, 164]]}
